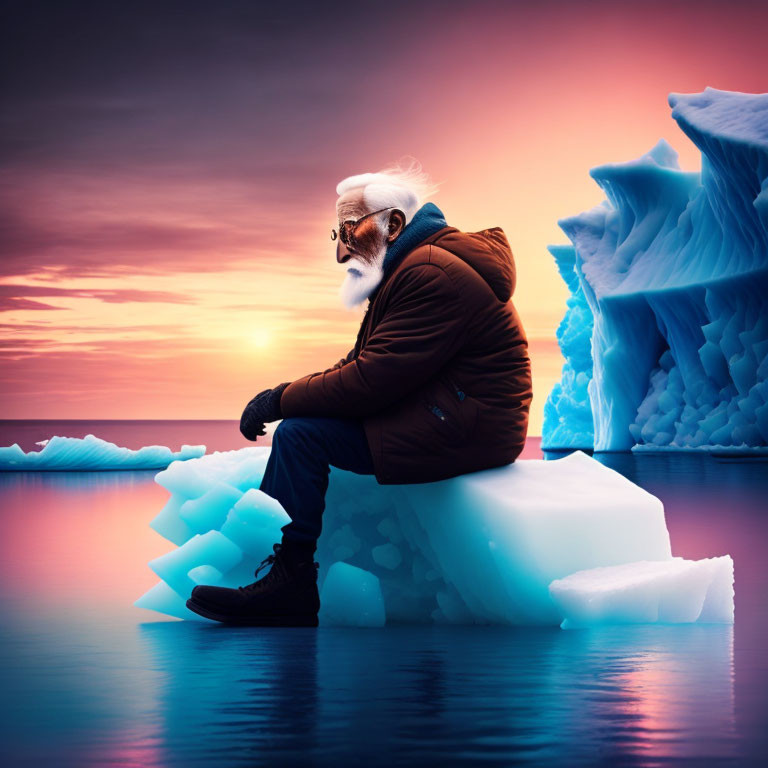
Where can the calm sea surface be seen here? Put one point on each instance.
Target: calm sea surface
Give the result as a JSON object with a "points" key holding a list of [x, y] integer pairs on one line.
{"points": [[88, 679]]}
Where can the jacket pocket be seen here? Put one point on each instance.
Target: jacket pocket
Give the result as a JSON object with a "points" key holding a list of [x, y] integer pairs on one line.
{"points": [[455, 414]]}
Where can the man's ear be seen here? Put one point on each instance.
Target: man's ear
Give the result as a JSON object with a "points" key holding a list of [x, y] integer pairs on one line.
{"points": [[396, 225]]}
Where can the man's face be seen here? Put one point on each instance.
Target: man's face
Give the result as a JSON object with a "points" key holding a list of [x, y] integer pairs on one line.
{"points": [[364, 256]]}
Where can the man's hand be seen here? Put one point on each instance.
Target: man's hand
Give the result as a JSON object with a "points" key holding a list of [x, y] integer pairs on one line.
{"points": [[262, 409]]}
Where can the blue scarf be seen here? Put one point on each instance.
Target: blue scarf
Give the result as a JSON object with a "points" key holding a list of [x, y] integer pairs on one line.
{"points": [[425, 222]]}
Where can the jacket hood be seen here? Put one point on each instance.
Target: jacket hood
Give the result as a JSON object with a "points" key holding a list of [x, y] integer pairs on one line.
{"points": [[487, 252]]}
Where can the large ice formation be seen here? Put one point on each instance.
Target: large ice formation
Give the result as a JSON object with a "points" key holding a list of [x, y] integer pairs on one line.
{"points": [[482, 547], [91, 452], [669, 592], [666, 333]]}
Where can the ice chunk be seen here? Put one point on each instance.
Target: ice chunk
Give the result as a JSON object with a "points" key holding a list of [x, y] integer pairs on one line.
{"points": [[212, 549], [169, 524], [92, 453], [210, 510], [254, 523], [163, 599], [387, 556], [351, 597], [666, 333], [481, 547], [499, 537], [668, 592]]}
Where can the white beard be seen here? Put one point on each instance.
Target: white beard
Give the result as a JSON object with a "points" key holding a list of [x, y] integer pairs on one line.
{"points": [[362, 281]]}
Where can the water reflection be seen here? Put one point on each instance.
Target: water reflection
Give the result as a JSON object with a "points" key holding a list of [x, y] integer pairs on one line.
{"points": [[415, 695], [226, 695]]}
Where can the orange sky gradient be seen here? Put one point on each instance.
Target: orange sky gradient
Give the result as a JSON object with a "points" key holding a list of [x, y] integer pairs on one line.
{"points": [[168, 186]]}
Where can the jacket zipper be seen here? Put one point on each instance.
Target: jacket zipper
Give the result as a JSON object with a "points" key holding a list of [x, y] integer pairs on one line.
{"points": [[437, 411], [361, 330], [457, 389]]}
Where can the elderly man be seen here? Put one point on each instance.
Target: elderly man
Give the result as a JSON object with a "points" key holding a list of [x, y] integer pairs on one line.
{"points": [[437, 384]]}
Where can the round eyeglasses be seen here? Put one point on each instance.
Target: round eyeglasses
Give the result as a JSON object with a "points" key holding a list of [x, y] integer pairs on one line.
{"points": [[347, 228]]}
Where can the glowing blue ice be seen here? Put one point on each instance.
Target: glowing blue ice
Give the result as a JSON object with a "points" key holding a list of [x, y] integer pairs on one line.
{"points": [[675, 591], [92, 453], [351, 597], [478, 548], [567, 411], [666, 334]]}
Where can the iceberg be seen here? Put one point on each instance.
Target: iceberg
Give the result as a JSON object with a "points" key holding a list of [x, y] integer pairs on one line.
{"points": [[482, 547], [567, 410], [92, 453], [675, 591], [665, 337]]}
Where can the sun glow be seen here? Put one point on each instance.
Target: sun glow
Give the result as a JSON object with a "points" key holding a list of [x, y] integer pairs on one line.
{"points": [[261, 338]]}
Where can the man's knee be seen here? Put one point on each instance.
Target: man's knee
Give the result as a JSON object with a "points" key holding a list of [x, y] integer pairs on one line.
{"points": [[292, 429]]}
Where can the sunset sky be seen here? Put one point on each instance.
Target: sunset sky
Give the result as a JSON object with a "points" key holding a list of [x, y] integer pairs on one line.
{"points": [[168, 171]]}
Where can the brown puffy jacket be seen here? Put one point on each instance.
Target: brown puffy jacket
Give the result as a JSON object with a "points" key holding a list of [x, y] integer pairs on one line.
{"points": [[440, 374]]}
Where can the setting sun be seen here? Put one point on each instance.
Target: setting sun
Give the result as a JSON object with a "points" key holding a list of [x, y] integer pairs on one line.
{"points": [[261, 338]]}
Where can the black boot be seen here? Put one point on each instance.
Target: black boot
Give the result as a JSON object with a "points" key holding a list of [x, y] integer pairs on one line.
{"points": [[286, 597]]}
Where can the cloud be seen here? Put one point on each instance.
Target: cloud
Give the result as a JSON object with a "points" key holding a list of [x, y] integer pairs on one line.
{"points": [[115, 350], [212, 143], [11, 296], [11, 303], [33, 344], [72, 225], [172, 329]]}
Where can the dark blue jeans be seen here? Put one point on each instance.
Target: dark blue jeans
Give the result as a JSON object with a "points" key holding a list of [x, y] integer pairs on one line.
{"points": [[303, 450]]}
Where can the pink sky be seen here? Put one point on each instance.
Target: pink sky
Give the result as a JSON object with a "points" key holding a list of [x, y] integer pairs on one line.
{"points": [[168, 183]]}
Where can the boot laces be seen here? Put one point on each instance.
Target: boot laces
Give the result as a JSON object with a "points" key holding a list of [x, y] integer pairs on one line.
{"points": [[273, 573], [269, 560]]}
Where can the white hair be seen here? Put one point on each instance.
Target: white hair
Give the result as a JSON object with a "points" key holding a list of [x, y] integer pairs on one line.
{"points": [[403, 187]]}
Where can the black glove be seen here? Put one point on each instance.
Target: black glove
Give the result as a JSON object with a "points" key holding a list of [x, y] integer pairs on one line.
{"points": [[263, 408]]}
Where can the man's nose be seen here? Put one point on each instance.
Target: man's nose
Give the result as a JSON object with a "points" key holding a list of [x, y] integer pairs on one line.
{"points": [[342, 253]]}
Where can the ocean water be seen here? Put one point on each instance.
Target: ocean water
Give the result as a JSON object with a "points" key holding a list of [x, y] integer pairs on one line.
{"points": [[87, 679]]}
